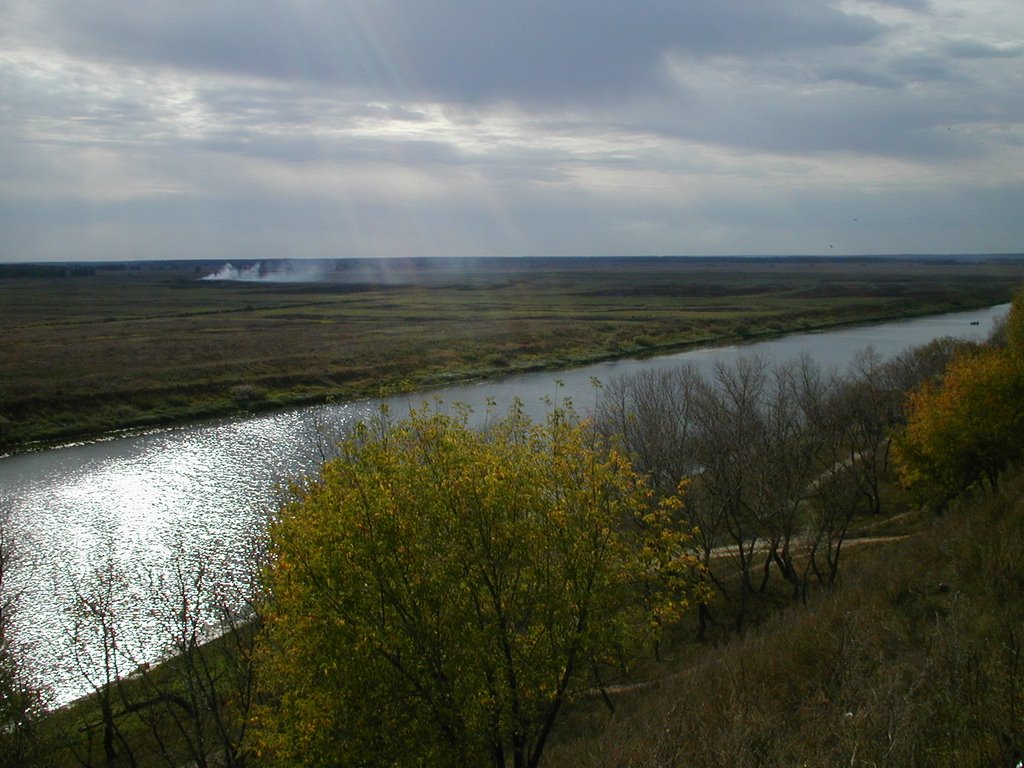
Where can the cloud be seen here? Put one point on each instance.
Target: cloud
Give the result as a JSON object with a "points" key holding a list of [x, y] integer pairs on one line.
{"points": [[393, 127], [967, 47], [485, 50]]}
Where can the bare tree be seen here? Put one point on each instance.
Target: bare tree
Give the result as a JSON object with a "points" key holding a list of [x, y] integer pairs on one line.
{"points": [[733, 434], [325, 431], [99, 660], [196, 702], [651, 413], [845, 484], [782, 459], [179, 671], [728, 414], [789, 457], [21, 700], [912, 368]]}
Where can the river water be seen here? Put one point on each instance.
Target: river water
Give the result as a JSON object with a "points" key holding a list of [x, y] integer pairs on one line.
{"points": [[121, 511]]}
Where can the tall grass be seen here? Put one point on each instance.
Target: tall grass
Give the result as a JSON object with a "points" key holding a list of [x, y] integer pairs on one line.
{"points": [[915, 660], [143, 346]]}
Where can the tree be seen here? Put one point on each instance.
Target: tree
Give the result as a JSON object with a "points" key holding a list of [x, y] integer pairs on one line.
{"points": [[729, 421], [21, 702], [196, 702], [651, 415], [790, 451], [966, 430], [918, 366], [439, 593], [1015, 329], [171, 683], [650, 412], [98, 657], [852, 418], [965, 427], [868, 406]]}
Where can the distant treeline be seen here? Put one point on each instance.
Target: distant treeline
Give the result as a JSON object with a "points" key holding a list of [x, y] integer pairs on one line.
{"points": [[8, 271], [487, 263]]}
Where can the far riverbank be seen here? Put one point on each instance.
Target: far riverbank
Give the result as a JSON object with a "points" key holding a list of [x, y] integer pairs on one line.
{"points": [[92, 353]]}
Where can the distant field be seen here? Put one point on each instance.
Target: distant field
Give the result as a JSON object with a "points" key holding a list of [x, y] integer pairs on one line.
{"points": [[100, 349]]}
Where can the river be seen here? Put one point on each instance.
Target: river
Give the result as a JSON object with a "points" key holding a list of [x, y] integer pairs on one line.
{"points": [[125, 508]]}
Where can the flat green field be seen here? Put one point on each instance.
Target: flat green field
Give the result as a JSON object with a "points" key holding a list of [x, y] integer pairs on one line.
{"points": [[106, 347]]}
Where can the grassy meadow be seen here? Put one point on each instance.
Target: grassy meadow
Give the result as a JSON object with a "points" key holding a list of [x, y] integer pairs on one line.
{"points": [[108, 347]]}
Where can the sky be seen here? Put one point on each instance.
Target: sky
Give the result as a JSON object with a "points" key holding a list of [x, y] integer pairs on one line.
{"points": [[151, 129]]}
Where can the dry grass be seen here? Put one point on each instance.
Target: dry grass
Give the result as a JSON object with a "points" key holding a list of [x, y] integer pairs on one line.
{"points": [[150, 343], [914, 661]]}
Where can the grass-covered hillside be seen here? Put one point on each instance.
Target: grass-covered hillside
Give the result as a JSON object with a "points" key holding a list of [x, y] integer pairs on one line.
{"points": [[915, 659]]}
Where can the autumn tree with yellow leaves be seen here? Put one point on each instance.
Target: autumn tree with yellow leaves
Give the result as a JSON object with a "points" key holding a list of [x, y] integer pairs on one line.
{"points": [[968, 428], [440, 593]]}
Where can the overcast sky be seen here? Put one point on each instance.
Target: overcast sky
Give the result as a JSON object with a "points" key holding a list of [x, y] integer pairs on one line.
{"points": [[330, 128]]}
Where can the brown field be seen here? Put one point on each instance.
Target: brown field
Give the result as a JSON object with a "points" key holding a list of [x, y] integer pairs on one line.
{"points": [[107, 347]]}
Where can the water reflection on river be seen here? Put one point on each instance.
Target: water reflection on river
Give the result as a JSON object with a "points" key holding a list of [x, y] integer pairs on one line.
{"points": [[132, 504]]}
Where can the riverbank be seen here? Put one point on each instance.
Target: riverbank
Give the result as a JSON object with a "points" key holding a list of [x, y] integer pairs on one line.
{"points": [[144, 347], [96, 424]]}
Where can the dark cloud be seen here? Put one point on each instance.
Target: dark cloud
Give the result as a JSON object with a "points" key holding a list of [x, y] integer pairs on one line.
{"points": [[972, 48], [883, 127], [923, 67], [859, 75], [899, 106], [912, 5], [484, 50]]}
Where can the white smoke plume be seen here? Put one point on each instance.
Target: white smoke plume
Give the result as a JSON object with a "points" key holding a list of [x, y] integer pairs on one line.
{"points": [[276, 272]]}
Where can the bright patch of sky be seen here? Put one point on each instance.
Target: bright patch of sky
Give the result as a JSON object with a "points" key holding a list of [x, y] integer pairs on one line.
{"points": [[333, 128]]}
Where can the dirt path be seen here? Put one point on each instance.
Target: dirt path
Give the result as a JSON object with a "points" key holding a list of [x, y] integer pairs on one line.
{"points": [[761, 545]]}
